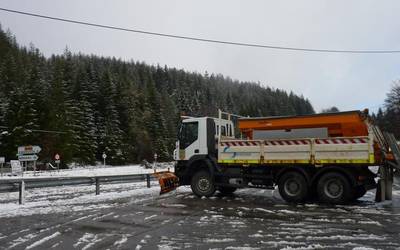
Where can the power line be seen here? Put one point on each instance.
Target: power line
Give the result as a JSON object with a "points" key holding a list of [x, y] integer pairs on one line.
{"points": [[200, 39]]}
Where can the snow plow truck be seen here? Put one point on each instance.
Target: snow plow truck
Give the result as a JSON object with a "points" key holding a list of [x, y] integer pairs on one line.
{"points": [[318, 157]]}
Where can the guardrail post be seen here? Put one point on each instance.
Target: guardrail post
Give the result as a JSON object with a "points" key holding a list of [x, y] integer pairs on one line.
{"points": [[381, 188], [97, 186], [148, 180], [21, 193]]}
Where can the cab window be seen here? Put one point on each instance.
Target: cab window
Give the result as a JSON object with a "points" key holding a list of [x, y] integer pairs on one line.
{"points": [[223, 131], [188, 134]]}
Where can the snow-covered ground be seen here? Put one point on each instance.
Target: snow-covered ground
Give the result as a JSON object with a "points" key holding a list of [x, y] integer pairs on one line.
{"points": [[74, 198], [94, 171], [80, 197]]}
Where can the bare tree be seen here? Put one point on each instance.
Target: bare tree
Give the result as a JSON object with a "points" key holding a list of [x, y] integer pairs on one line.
{"points": [[392, 101]]}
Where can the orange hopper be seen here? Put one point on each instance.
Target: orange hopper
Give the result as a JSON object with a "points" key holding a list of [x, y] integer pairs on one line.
{"points": [[341, 124]]}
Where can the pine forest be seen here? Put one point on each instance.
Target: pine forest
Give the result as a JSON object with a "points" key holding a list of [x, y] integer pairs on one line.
{"points": [[83, 105]]}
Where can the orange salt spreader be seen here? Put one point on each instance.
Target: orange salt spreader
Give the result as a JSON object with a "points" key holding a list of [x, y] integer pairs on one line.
{"points": [[341, 124]]}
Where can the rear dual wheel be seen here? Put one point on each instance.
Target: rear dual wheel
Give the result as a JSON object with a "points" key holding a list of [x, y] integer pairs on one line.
{"points": [[293, 187], [334, 188]]}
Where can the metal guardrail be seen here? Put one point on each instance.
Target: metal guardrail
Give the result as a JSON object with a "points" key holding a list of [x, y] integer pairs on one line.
{"points": [[20, 184], [4, 170]]}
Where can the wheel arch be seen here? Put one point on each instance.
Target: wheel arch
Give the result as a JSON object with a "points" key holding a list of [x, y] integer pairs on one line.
{"points": [[200, 163]]}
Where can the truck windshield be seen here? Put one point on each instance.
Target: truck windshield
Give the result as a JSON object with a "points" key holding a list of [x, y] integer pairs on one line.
{"points": [[188, 134]]}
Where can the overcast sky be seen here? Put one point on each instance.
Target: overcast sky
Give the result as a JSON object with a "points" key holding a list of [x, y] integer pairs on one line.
{"points": [[347, 81]]}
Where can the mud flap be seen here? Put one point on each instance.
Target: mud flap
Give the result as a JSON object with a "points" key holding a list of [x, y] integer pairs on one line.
{"points": [[385, 184], [168, 181]]}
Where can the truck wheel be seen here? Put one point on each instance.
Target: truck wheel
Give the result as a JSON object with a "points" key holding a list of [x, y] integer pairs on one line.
{"points": [[293, 187], [227, 190], [334, 188], [202, 184]]}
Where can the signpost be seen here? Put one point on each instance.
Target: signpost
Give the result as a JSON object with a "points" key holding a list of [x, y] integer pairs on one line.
{"points": [[28, 157], [28, 150], [28, 154], [57, 161], [16, 167], [2, 161], [104, 159]]}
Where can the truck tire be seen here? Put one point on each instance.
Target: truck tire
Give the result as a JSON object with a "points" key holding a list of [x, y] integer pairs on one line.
{"points": [[202, 184], [293, 187], [334, 188], [227, 190]]}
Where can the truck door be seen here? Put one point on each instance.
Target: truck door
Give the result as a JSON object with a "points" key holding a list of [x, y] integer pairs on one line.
{"points": [[189, 144]]}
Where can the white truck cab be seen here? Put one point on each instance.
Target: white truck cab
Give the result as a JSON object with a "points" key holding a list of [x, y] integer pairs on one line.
{"points": [[198, 136]]}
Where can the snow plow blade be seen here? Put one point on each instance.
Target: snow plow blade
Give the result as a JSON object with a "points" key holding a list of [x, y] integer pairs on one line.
{"points": [[168, 181]]}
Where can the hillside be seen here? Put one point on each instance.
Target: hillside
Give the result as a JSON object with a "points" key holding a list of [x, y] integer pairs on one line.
{"points": [[129, 110]]}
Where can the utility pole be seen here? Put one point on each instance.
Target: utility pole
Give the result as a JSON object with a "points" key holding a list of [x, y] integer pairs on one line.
{"points": [[155, 160], [104, 159], [2, 161]]}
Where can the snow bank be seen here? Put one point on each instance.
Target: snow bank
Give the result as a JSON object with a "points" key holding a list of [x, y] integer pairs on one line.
{"points": [[224, 240]]}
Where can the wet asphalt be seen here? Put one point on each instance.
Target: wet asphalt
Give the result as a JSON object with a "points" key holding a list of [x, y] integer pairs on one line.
{"points": [[250, 219]]}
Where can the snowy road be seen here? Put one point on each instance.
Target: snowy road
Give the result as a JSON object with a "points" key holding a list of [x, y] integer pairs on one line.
{"points": [[130, 216]]}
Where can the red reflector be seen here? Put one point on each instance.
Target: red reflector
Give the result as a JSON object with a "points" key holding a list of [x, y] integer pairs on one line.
{"points": [[361, 177]]}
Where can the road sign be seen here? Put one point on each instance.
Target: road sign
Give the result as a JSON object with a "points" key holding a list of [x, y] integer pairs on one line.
{"points": [[16, 166], [28, 157], [57, 157], [104, 155], [57, 161], [26, 150]]}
